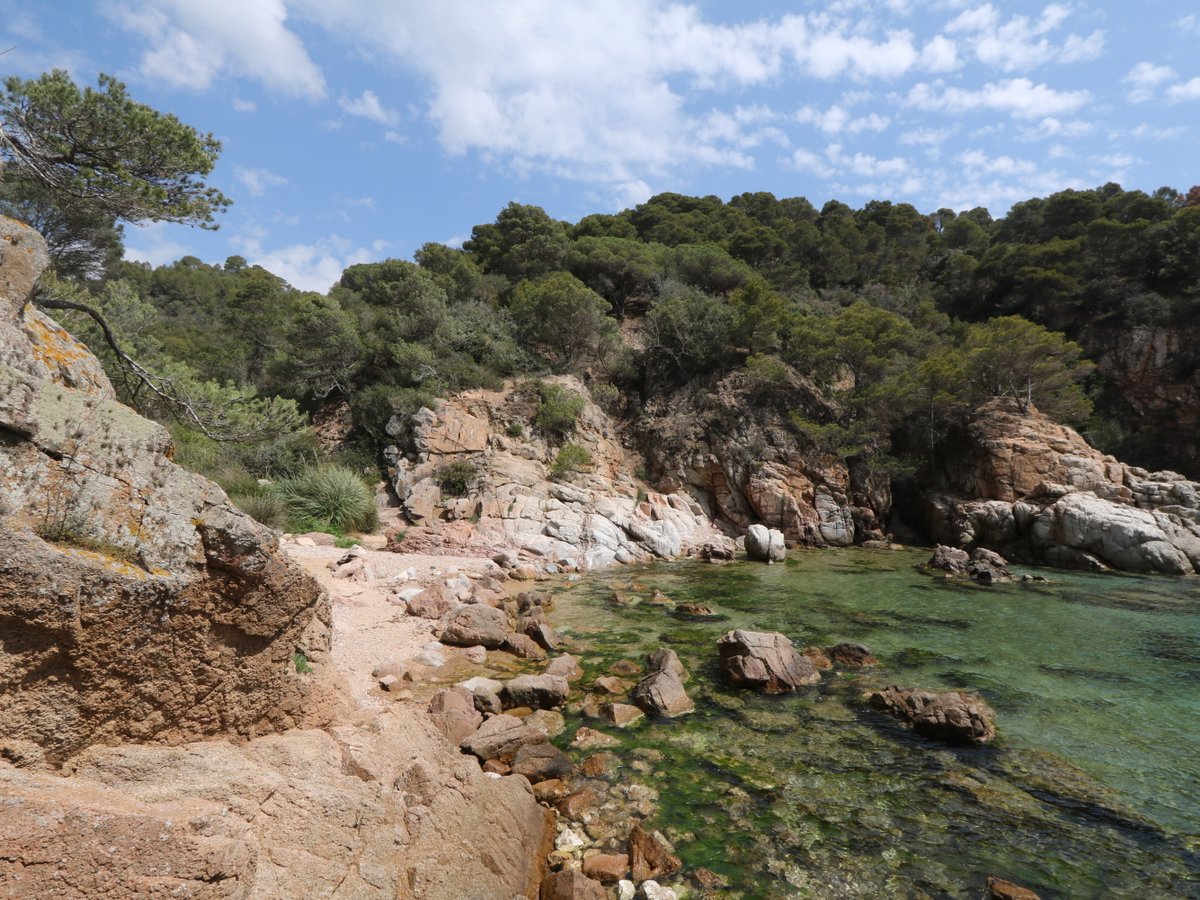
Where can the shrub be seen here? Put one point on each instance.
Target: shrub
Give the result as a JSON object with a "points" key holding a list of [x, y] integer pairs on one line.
{"points": [[267, 507], [607, 396], [300, 661], [515, 430], [455, 478], [333, 497], [570, 459], [558, 410]]}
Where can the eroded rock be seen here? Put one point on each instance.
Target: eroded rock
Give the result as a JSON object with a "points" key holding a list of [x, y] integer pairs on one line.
{"points": [[951, 716], [764, 661]]}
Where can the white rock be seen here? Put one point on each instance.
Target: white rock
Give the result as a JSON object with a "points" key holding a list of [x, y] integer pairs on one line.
{"points": [[570, 841], [626, 890], [652, 890], [479, 683]]}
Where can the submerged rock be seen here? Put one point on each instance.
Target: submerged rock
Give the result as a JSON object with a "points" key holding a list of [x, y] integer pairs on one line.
{"points": [[1000, 889], [764, 660], [850, 656], [649, 856], [951, 716], [565, 666]]}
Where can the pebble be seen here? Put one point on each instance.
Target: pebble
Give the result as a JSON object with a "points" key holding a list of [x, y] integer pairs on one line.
{"points": [[569, 840]]}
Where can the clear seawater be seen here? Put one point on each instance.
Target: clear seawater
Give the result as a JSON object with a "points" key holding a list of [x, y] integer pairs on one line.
{"points": [[1092, 789]]}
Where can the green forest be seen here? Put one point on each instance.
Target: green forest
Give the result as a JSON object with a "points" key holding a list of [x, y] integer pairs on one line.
{"points": [[903, 321]]}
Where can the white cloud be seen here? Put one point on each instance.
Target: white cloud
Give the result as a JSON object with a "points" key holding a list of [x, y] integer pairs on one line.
{"points": [[803, 160], [1189, 24], [1186, 90], [837, 120], [1147, 132], [257, 181], [369, 106], [1021, 43], [927, 137], [1052, 127], [621, 93], [940, 55], [315, 266], [1145, 79], [150, 244], [394, 137], [192, 44], [244, 106], [1019, 97]]}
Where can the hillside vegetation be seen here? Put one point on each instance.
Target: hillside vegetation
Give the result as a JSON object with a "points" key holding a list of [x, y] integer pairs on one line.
{"points": [[901, 321]]}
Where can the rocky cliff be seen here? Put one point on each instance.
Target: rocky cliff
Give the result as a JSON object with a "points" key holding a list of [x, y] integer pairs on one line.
{"points": [[140, 612], [136, 603], [1155, 370], [508, 498], [731, 447], [1016, 482]]}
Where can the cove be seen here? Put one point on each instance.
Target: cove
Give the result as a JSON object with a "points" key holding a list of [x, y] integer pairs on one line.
{"points": [[1091, 790]]}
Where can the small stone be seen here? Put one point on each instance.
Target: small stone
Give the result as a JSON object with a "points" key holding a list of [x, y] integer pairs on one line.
{"points": [[620, 714], [599, 765], [539, 762], [851, 656], [571, 884], [494, 765], [664, 659], [606, 867], [625, 668], [610, 684], [548, 721], [817, 657], [626, 890], [662, 694], [535, 691], [999, 889], [522, 646], [649, 857], [660, 598], [570, 840], [565, 666], [652, 890], [550, 790], [709, 880], [477, 655], [589, 739], [575, 805]]}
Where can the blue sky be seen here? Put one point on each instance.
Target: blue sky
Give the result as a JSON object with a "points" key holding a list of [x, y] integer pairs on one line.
{"points": [[355, 130]]}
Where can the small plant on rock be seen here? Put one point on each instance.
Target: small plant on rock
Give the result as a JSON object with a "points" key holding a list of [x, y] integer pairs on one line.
{"points": [[558, 410], [570, 459], [455, 478]]}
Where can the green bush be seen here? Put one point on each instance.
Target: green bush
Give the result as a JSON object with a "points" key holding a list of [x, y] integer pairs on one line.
{"points": [[607, 396], [332, 497], [558, 410], [455, 478], [570, 459], [267, 507]]}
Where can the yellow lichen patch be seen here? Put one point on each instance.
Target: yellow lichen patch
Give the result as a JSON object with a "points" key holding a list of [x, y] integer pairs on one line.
{"points": [[120, 566], [54, 347]]}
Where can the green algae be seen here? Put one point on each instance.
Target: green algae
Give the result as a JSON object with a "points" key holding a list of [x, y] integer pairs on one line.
{"points": [[1092, 790]]}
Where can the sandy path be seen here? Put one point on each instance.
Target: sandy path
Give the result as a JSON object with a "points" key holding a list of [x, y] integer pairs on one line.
{"points": [[368, 628]]}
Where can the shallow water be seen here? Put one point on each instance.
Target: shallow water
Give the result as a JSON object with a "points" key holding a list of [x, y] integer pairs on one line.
{"points": [[1092, 790]]}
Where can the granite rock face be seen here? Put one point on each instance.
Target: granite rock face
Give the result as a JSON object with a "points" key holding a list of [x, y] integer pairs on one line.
{"points": [[602, 515], [136, 602], [365, 811], [1036, 492]]}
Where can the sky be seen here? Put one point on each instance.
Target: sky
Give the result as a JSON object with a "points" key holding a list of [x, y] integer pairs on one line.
{"points": [[357, 130]]}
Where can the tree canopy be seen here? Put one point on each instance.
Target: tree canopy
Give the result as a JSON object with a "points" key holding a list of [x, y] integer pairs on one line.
{"points": [[98, 149]]}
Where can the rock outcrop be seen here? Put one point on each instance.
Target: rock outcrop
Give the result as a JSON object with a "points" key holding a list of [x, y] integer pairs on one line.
{"points": [[372, 811], [601, 515], [730, 446], [1036, 492], [136, 603], [766, 661]]}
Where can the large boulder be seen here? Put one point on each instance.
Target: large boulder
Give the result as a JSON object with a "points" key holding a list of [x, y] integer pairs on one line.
{"points": [[535, 691], [136, 602], [662, 694], [474, 625], [765, 544], [764, 660], [454, 714], [951, 716], [500, 737]]}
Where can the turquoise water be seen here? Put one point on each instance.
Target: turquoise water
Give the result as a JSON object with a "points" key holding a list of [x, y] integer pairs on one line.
{"points": [[1092, 790]]}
